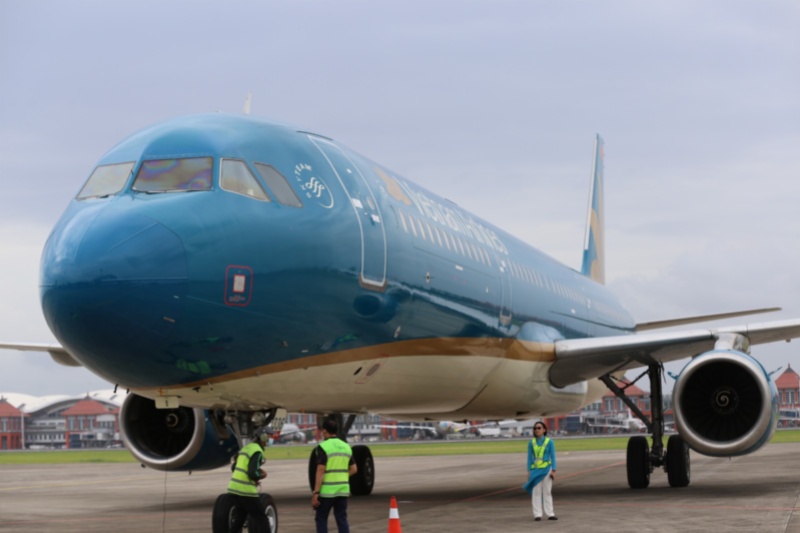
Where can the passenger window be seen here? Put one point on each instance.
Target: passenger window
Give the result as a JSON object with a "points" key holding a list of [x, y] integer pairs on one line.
{"points": [[403, 220], [278, 185], [106, 180], [171, 175], [236, 177]]}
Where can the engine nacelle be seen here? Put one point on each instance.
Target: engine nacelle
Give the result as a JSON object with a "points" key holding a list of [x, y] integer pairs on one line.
{"points": [[725, 404], [173, 439]]}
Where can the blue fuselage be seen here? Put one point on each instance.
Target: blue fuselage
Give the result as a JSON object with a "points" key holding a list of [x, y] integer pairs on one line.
{"points": [[202, 284]]}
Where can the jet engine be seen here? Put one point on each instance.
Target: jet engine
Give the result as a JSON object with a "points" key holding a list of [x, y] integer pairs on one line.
{"points": [[173, 439], [725, 404]]}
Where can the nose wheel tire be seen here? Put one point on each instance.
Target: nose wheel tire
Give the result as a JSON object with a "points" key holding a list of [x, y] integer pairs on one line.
{"points": [[225, 509], [271, 510]]}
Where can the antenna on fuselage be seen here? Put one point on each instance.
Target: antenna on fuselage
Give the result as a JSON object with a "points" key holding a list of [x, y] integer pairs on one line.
{"points": [[247, 101]]}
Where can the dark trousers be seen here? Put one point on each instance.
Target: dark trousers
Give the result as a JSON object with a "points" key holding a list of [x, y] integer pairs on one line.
{"points": [[339, 506], [250, 508]]}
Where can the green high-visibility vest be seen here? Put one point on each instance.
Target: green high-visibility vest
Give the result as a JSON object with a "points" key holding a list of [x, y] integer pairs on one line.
{"points": [[241, 483], [336, 481], [538, 454]]}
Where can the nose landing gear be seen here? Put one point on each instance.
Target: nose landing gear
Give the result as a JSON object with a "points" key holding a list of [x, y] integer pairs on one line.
{"points": [[227, 516]]}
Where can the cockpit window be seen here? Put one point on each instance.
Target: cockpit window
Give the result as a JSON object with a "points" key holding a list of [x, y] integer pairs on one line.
{"points": [[278, 185], [174, 175], [106, 180], [236, 177]]}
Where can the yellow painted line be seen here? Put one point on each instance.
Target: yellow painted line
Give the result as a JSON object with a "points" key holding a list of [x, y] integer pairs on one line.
{"points": [[35, 486]]}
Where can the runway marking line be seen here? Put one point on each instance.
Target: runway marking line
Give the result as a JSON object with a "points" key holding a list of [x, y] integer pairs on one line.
{"points": [[138, 518], [568, 476], [35, 486], [640, 505]]}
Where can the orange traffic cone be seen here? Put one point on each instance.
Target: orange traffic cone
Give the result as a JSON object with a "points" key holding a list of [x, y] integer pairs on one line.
{"points": [[394, 517]]}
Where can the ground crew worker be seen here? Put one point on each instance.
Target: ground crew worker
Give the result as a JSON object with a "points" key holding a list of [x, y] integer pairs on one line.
{"points": [[247, 475], [335, 465], [541, 472]]}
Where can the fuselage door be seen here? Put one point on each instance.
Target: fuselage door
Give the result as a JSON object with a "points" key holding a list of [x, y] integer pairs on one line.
{"points": [[367, 212], [504, 272]]}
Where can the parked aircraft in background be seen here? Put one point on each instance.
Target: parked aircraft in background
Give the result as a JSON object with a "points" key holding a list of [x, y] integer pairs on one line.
{"points": [[291, 433], [623, 423], [224, 268], [446, 429]]}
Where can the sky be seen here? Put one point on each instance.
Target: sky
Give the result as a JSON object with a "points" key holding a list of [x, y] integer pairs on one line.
{"points": [[493, 105]]}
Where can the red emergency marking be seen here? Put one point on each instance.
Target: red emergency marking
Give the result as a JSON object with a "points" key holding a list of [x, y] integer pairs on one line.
{"points": [[238, 285]]}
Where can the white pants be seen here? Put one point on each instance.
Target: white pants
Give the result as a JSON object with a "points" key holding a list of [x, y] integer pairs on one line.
{"points": [[543, 492]]}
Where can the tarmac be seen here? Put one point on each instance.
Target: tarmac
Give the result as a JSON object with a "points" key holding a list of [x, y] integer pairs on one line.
{"points": [[476, 493]]}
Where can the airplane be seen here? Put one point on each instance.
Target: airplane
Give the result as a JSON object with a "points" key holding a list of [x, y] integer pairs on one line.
{"points": [[416, 430], [224, 269], [623, 422], [291, 433], [493, 428], [442, 429]]}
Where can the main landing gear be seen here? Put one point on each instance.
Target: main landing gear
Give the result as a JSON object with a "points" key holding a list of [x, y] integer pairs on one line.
{"points": [[362, 482], [641, 459]]}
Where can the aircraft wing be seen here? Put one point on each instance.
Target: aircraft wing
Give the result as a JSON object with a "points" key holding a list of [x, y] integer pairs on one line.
{"points": [[582, 359], [56, 351], [703, 318]]}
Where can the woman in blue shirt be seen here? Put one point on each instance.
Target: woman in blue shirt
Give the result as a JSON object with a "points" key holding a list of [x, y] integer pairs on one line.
{"points": [[541, 472]]}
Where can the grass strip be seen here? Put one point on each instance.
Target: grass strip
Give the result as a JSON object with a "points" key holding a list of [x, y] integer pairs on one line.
{"points": [[379, 449]]}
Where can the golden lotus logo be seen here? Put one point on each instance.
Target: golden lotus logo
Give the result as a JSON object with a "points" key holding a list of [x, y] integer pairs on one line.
{"points": [[392, 186]]}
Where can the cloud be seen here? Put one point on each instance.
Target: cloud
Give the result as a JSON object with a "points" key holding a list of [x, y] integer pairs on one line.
{"points": [[493, 106]]}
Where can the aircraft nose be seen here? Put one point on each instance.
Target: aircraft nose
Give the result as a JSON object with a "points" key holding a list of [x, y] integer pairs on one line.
{"points": [[113, 286]]}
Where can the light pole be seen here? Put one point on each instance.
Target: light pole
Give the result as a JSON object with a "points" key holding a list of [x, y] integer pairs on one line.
{"points": [[22, 423]]}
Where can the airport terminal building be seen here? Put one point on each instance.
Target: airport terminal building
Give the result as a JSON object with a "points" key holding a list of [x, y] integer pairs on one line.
{"points": [[59, 421]]}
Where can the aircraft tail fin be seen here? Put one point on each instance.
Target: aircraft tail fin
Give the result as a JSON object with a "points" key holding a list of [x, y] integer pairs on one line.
{"points": [[594, 256]]}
